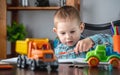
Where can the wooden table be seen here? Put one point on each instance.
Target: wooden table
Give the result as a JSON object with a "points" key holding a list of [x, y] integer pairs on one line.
{"points": [[63, 69]]}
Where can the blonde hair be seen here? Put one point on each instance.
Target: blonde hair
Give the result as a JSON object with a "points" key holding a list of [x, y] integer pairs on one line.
{"points": [[66, 13]]}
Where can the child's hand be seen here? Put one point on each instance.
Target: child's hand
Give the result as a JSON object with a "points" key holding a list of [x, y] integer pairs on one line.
{"points": [[83, 45]]}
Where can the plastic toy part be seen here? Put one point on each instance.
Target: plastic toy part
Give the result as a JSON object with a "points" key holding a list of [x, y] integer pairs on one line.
{"points": [[116, 43], [6, 66], [93, 62], [114, 62]]}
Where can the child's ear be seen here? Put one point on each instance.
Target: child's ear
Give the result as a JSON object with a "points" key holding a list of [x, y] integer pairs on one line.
{"points": [[82, 26], [54, 30]]}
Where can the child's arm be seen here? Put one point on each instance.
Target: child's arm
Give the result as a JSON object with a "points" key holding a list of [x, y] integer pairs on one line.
{"points": [[102, 39], [92, 41]]}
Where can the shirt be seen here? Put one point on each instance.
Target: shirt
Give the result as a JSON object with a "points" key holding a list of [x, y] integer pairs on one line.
{"points": [[63, 51]]}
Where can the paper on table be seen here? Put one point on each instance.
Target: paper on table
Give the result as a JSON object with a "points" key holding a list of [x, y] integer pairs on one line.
{"points": [[80, 60], [66, 61], [10, 60]]}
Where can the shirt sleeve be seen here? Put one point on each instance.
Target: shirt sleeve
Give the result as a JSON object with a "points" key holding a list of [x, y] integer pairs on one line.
{"points": [[102, 39], [56, 42]]}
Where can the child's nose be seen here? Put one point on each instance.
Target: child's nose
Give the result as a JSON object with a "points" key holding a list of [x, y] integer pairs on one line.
{"points": [[68, 35]]}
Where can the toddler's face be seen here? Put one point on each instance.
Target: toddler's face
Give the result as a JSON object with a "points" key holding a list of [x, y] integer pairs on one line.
{"points": [[69, 32]]}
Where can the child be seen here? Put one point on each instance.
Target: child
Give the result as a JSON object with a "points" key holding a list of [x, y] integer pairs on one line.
{"points": [[68, 27]]}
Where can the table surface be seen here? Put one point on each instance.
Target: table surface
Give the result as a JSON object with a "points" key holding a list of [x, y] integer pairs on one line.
{"points": [[64, 69]]}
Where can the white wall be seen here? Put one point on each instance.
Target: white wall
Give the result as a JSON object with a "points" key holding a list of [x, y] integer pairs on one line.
{"points": [[39, 24], [100, 11]]}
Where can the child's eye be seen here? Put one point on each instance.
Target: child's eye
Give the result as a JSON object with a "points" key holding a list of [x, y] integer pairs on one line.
{"points": [[63, 33], [72, 31]]}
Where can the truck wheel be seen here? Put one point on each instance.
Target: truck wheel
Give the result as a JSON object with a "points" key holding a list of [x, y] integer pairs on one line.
{"points": [[33, 65], [93, 61], [23, 63], [114, 62], [54, 65], [19, 60]]}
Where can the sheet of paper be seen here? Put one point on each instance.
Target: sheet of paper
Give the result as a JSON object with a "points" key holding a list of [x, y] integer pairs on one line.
{"points": [[80, 60], [10, 60]]}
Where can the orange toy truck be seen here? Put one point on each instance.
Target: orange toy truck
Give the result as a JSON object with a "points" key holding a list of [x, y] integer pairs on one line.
{"points": [[35, 53]]}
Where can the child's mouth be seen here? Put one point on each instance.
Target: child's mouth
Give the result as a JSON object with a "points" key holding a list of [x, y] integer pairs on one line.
{"points": [[70, 42]]}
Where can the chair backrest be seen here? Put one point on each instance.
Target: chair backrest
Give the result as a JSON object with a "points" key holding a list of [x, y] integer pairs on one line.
{"points": [[91, 29]]}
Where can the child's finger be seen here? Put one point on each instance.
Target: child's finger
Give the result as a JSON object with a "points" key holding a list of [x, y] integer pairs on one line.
{"points": [[76, 49], [81, 48]]}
